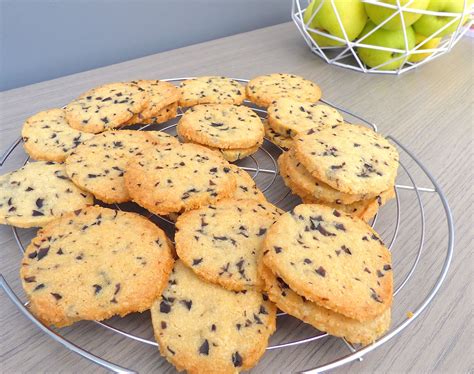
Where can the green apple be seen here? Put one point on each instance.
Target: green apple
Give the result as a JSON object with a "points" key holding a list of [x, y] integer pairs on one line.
{"points": [[351, 13], [427, 25], [420, 41], [379, 14], [385, 38]]}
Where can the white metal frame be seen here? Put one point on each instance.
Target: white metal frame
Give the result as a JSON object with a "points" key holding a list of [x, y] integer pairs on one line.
{"points": [[349, 48]]}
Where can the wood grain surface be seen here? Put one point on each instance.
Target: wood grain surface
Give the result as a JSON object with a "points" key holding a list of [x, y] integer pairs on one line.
{"points": [[429, 110]]}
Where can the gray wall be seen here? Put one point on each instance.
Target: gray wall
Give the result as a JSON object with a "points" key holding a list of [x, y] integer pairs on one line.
{"points": [[46, 39]]}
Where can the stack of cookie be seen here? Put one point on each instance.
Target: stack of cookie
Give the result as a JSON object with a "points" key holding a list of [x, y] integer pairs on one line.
{"points": [[348, 167], [216, 119], [234, 131], [287, 117], [265, 89], [330, 270], [116, 105], [213, 316], [51, 135]]}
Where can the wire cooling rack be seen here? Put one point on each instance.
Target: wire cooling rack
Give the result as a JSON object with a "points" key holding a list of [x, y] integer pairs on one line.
{"points": [[409, 261]]}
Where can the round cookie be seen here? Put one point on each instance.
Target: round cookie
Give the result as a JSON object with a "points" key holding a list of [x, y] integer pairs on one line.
{"points": [[178, 178], [165, 114], [310, 186], [94, 263], [161, 95], [222, 242], [265, 89], [38, 193], [321, 318], [236, 154], [203, 328], [211, 90], [98, 165], [283, 142], [364, 209], [47, 136], [288, 116], [106, 107], [231, 154], [246, 187], [349, 158], [222, 126], [332, 259]]}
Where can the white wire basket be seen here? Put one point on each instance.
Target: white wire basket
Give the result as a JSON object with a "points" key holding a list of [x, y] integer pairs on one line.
{"points": [[349, 44]]}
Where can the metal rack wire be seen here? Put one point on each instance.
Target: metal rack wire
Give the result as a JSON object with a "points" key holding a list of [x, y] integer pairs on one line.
{"points": [[264, 169]]}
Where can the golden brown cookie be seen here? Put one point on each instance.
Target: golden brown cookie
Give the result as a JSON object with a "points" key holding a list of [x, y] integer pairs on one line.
{"points": [[332, 259], [98, 165], [246, 187], [222, 242], [222, 126], [38, 193], [47, 136], [283, 142], [203, 328], [288, 116], [211, 90], [161, 95], [309, 186], [106, 107], [321, 318], [265, 89], [230, 154], [164, 115], [350, 158], [364, 209], [94, 263], [178, 178]]}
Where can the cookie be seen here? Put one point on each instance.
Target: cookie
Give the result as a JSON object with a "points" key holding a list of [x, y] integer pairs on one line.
{"points": [[38, 193], [265, 89], [237, 154], [321, 318], [349, 158], [309, 186], [203, 328], [246, 187], [47, 136], [94, 263], [332, 259], [106, 107], [288, 116], [222, 126], [211, 90], [165, 114], [222, 242], [231, 154], [178, 178], [364, 209], [283, 142], [98, 165], [161, 95]]}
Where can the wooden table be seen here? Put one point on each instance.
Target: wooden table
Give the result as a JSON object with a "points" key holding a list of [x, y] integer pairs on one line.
{"points": [[428, 110]]}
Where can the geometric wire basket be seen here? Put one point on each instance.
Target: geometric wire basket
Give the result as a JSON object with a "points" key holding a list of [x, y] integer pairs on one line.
{"points": [[410, 262], [345, 53]]}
